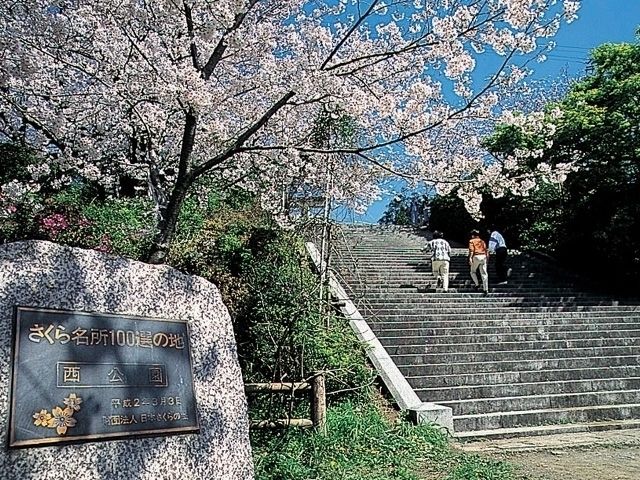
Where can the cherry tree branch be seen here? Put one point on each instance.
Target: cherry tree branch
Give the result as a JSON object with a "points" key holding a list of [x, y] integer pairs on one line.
{"points": [[221, 47], [193, 48], [346, 37], [237, 145]]}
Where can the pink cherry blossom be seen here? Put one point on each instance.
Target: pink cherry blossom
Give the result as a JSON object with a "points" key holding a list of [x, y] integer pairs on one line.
{"points": [[168, 92]]}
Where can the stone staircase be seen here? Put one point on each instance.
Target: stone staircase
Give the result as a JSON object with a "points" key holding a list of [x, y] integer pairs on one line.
{"points": [[542, 354]]}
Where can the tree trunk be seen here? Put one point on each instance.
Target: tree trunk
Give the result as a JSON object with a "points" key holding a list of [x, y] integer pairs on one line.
{"points": [[187, 176], [169, 220], [167, 227]]}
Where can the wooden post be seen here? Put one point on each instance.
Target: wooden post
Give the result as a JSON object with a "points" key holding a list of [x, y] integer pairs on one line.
{"points": [[318, 402]]}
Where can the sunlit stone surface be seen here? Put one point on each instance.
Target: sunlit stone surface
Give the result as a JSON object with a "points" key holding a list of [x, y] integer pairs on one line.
{"points": [[43, 274]]}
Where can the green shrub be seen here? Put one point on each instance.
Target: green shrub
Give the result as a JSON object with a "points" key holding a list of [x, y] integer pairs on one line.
{"points": [[282, 331], [15, 161], [123, 226]]}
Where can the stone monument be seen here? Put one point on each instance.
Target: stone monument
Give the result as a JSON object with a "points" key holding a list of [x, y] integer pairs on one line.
{"points": [[120, 370]]}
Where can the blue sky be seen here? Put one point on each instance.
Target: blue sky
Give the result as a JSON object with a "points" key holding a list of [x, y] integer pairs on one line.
{"points": [[599, 21]]}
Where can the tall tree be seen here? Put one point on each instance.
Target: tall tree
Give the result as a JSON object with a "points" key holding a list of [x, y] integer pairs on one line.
{"points": [[171, 91], [597, 212]]}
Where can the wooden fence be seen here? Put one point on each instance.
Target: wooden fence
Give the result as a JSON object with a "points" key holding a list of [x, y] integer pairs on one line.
{"points": [[317, 397]]}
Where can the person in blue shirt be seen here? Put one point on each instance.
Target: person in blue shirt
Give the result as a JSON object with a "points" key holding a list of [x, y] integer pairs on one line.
{"points": [[498, 249]]}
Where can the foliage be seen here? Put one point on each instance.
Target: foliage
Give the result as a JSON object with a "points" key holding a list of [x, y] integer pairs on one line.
{"points": [[597, 212], [533, 222], [361, 444], [282, 332], [15, 161], [72, 217], [406, 209], [475, 467], [449, 215], [122, 227]]}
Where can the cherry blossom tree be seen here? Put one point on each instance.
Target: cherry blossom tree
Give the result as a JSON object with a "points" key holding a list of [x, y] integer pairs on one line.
{"points": [[172, 91]]}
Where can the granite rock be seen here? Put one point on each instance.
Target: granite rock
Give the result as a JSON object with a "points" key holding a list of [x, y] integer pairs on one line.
{"points": [[45, 275]]}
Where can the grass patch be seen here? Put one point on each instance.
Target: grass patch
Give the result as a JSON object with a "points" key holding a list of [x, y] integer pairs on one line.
{"points": [[474, 467], [361, 444]]}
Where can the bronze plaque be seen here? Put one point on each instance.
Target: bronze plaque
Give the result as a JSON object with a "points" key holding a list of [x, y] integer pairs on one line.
{"points": [[84, 376]]}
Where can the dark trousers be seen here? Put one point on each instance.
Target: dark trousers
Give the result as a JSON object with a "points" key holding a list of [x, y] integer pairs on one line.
{"points": [[501, 264]]}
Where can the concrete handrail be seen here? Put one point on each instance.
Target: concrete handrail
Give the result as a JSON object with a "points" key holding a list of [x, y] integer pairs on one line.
{"points": [[394, 380]]}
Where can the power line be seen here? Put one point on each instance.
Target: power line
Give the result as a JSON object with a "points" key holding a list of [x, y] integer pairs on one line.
{"points": [[572, 47], [568, 58]]}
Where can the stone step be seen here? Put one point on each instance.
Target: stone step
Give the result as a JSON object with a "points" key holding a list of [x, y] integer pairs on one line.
{"points": [[408, 265], [520, 403], [472, 309], [489, 302], [454, 349], [507, 329], [373, 295], [544, 348], [526, 376], [483, 302], [522, 365], [399, 257], [379, 252], [429, 293], [413, 338], [515, 317], [513, 419], [456, 282], [456, 279], [526, 391], [386, 252], [416, 272], [473, 320], [415, 266], [412, 314], [429, 285], [503, 327], [429, 288], [426, 300], [385, 269], [531, 431], [461, 278], [505, 355]]}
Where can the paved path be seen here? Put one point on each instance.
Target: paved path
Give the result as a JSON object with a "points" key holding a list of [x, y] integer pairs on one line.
{"points": [[608, 438], [610, 455]]}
